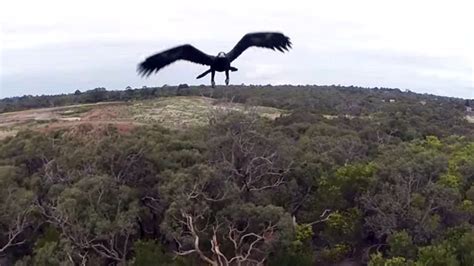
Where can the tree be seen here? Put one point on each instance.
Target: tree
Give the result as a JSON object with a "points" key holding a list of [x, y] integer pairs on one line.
{"points": [[406, 195], [96, 95], [216, 212], [94, 215], [16, 210], [401, 245], [437, 255]]}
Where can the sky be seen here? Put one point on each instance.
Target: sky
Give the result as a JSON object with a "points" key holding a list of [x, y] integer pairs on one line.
{"points": [[59, 46]]}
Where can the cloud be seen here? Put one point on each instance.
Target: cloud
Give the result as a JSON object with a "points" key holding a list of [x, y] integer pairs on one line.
{"points": [[54, 46], [264, 71]]}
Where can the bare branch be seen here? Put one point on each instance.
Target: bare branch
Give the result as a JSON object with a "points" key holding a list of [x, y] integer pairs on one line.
{"points": [[15, 230]]}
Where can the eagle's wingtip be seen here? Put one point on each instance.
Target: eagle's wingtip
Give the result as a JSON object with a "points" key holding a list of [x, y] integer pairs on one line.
{"points": [[143, 71]]}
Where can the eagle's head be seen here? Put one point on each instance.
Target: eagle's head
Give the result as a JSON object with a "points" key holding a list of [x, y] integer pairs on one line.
{"points": [[221, 54]]}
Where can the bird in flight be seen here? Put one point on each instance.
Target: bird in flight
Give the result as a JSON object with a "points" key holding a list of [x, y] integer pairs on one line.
{"points": [[221, 62]]}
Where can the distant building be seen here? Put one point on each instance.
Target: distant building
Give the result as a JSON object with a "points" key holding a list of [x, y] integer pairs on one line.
{"points": [[392, 100], [422, 102]]}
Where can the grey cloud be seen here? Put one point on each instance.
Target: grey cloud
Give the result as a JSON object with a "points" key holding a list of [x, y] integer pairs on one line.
{"points": [[65, 67]]}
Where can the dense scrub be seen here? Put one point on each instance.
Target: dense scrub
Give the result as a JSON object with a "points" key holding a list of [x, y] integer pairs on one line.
{"points": [[345, 177], [324, 99]]}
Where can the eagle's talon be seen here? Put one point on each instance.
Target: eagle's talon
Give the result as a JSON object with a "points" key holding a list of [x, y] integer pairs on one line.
{"points": [[213, 83], [226, 81]]}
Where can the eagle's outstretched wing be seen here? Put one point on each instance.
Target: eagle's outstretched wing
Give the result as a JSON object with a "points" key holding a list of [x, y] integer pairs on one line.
{"points": [[183, 52], [272, 40]]}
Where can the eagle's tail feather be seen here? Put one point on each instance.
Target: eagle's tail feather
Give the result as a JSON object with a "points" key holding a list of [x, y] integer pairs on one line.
{"points": [[203, 74]]}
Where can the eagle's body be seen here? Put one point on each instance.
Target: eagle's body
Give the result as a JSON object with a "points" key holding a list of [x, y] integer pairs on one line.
{"points": [[221, 62]]}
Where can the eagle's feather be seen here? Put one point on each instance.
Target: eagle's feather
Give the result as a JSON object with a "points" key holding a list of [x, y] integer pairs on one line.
{"points": [[183, 52], [271, 40]]}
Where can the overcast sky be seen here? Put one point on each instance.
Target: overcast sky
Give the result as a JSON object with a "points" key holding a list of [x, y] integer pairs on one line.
{"points": [[58, 46]]}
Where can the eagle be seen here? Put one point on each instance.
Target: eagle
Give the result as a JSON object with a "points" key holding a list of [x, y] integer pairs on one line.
{"points": [[221, 62]]}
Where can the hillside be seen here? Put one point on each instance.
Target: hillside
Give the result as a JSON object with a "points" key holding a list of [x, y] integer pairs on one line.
{"points": [[238, 175], [322, 98], [172, 112], [134, 107]]}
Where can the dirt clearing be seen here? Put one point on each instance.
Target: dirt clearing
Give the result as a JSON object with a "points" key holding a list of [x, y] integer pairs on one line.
{"points": [[172, 112]]}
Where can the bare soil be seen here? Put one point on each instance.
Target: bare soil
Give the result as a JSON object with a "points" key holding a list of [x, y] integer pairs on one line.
{"points": [[172, 112]]}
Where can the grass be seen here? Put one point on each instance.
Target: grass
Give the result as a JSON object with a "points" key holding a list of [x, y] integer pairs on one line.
{"points": [[470, 118], [7, 133], [185, 111], [172, 112], [76, 110]]}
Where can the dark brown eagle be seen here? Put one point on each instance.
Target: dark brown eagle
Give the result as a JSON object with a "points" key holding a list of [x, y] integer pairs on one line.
{"points": [[221, 62]]}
